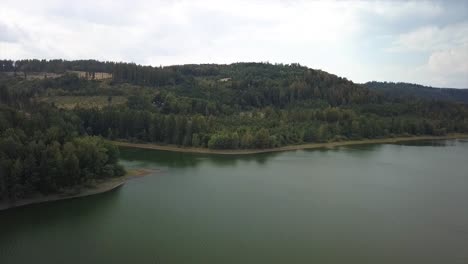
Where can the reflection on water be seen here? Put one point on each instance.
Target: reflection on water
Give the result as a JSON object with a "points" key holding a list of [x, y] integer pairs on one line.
{"points": [[187, 160], [35, 233], [70, 210], [431, 143], [184, 160]]}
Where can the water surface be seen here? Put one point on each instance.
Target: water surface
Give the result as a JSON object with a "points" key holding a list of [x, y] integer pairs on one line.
{"points": [[405, 203]]}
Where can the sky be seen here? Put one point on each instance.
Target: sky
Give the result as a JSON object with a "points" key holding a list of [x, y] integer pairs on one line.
{"points": [[423, 42]]}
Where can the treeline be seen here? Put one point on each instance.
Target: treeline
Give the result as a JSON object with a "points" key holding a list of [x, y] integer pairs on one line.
{"points": [[259, 86], [241, 105], [55, 66], [402, 90], [250, 84], [265, 128], [284, 83], [43, 150]]}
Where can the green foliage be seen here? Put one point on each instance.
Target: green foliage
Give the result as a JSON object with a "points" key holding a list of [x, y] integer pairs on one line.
{"points": [[224, 141], [403, 91], [241, 105], [262, 139], [41, 152]]}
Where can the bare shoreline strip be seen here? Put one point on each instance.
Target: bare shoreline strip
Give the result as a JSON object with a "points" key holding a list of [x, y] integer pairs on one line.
{"points": [[175, 148], [101, 187]]}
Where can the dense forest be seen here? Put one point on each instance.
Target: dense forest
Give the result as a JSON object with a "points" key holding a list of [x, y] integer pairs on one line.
{"points": [[47, 144], [407, 90], [44, 149]]}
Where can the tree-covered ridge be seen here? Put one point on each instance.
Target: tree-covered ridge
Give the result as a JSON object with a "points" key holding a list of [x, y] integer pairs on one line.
{"points": [[241, 105], [405, 90], [55, 66], [256, 84]]}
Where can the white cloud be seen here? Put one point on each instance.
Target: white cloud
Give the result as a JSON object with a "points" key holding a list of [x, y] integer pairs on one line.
{"points": [[447, 54], [432, 38], [327, 35], [455, 59], [404, 9]]}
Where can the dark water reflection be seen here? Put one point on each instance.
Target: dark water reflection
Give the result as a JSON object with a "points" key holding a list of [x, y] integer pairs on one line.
{"points": [[432, 143], [187, 160]]}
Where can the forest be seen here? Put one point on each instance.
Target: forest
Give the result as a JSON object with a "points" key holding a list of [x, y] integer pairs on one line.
{"points": [[45, 147], [45, 150], [406, 90]]}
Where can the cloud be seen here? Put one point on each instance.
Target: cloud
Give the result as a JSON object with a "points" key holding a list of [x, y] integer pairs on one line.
{"points": [[455, 59], [7, 34], [351, 39], [395, 10], [446, 52], [450, 66], [430, 38]]}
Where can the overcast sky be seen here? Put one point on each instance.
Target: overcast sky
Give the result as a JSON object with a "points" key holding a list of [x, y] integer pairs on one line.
{"points": [[420, 42]]}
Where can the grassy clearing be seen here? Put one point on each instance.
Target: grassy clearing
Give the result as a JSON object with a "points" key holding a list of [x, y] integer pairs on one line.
{"points": [[70, 102], [97, 75]]}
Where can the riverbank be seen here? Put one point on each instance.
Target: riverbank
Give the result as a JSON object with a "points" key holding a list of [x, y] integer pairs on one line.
{"points": [[285, 148], [100, 186]]}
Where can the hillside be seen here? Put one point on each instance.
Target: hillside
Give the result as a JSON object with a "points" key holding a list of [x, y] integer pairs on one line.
{"points": [[402, 90], [235, 106], [54, 114]]}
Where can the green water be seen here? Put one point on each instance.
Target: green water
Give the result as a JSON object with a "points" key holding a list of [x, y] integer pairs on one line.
{"points": [[363, 204]]}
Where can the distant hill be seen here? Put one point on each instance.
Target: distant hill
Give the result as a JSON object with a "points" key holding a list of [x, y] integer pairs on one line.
{"points": [[402, 90]]}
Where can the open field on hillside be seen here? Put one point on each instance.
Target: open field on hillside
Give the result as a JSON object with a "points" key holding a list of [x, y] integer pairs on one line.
{"points": [[43, 75], [70, 102], [97, 75], [36, 75]]}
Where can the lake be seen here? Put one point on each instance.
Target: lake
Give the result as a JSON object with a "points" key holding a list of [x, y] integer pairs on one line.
{"points": [[390, 203]]}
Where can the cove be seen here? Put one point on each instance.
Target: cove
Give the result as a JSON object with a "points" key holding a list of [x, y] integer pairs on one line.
{"points": [[388, 203]]}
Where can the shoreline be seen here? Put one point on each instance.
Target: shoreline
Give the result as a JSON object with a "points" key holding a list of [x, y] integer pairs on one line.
{"points": [[101, 186], [175, 148], [111, 184]]}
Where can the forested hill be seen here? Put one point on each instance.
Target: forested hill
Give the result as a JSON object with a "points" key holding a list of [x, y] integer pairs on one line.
{"points": [[240, 105], [405, 90], [238, 84], [238, 74], [55, 115]]}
